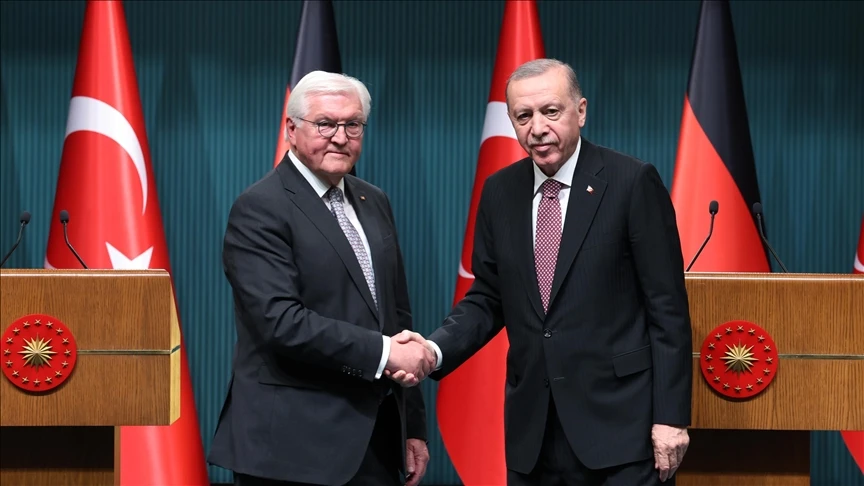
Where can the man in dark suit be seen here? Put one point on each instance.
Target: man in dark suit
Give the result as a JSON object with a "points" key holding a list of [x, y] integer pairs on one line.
{"points": [[312, 256], [576, 253]]}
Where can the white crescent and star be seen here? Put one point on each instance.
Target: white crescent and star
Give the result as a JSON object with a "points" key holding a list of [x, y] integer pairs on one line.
{"points": [[119, 261], [497, 122], [859, 267], [92, 115], [88, 114]]}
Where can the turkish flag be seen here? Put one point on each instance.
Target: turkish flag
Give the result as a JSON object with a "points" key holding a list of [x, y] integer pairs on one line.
{"points": [[471, 399], [317, 50], [715, 155], [106, 184], [855, 438]]}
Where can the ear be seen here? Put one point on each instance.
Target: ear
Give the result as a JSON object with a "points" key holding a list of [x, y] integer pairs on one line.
{"points": [[290, 131], [583, 112]]}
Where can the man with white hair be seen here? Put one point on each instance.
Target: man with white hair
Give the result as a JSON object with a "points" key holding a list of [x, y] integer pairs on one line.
{"points": [[313, 258]]}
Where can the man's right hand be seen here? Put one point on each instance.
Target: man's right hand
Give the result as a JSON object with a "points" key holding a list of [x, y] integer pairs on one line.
{"points": [[409, 361]]}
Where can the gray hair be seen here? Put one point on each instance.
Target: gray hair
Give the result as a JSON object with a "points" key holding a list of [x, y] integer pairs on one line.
{"points": [[538, 67], [322, 82]]}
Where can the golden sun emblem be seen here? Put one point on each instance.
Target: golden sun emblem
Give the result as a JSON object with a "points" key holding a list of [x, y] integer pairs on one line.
{"points": [[37, 352], [739, 358]]}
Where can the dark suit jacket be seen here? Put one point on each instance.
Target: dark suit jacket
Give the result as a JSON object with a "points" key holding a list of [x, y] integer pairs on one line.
{"points": [[614, 351], [302, 400]]}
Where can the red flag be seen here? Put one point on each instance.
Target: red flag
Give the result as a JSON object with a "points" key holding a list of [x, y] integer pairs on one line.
{"points": [[855, 438], [715, 156], [317, 50], [471, 399], [106, 183], [858, 264]]}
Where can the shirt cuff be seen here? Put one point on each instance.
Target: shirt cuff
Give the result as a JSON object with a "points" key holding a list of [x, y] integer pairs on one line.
{"points": [[438, 353], [385, 355]]}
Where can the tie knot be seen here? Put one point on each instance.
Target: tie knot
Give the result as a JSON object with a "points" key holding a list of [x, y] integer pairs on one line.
{"points": [[335, 194], [550, 188]]}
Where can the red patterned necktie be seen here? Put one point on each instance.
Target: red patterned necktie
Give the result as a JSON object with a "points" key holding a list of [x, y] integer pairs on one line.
{"points": [[548, 238]]}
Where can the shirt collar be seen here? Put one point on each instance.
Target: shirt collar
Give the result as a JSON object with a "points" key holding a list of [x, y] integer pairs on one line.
{"points": [[317, 184]]}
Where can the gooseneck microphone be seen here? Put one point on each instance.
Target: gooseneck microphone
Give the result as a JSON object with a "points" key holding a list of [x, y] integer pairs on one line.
{"points": [[713, 207], [64, 219], [24, 219], [757, 210]]}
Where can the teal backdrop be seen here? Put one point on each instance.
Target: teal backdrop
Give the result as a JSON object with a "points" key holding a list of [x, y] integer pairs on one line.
{"points": [[212, 78]]}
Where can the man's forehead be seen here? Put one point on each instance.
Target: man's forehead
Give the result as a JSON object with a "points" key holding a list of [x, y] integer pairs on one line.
{"points": [[536, 99], [337, 99], [325, 97], [546, 85]]}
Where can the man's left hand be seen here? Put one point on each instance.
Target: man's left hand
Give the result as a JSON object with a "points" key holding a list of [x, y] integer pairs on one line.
{"points": [[416, 459], [670, 444]]}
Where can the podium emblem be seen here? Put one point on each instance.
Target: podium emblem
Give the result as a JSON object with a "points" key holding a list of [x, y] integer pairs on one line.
{"points": [[738, 359], [37, 353]]}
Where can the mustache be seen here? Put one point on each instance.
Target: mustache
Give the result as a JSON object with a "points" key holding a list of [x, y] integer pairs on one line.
{"points": [[541, 141]]}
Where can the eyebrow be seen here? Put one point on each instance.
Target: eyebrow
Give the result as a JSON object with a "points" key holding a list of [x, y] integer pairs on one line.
{"points": [[555, 104]]}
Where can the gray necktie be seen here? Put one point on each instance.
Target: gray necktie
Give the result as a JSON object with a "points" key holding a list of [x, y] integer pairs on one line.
{"points": [[338, 210]]}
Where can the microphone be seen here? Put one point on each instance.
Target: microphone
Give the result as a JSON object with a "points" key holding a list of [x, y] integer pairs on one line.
{"points": [[64, 219], [24, 219], [713, 207], [757, 210]]}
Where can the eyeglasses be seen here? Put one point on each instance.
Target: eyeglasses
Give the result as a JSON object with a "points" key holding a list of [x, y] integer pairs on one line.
{"points": [[327, 128]]}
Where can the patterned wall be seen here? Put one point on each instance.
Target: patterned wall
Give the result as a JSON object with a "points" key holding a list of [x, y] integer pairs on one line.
{"points": [[212, 76]]}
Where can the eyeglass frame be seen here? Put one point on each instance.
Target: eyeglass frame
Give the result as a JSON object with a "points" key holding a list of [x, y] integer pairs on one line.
{"points": [[343, 125]]}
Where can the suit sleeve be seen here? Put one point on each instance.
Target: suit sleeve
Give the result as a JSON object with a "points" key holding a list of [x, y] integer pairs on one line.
{"points": [[659, 265], [259, 264], [477, 318], [415, 406]]}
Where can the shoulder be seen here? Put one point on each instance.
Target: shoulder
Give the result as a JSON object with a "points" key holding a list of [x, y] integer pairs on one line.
{"points": [[618, 162], [260, 196], [506, 180], [622, 170]]}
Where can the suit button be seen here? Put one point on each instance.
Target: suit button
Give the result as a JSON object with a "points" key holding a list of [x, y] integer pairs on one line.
{"points": [[547, 333], [546, 383]]}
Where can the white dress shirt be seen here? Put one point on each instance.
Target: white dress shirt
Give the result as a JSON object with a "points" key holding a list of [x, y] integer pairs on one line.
{"points": [[321, 189], [565, 177]]}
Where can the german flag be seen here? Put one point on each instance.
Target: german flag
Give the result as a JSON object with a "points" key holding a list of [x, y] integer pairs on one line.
{"points": [[715, 155], [317, 50]]}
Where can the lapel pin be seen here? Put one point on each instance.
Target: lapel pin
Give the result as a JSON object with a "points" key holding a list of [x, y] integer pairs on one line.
{"points": [[362, 198], [590, 190]]}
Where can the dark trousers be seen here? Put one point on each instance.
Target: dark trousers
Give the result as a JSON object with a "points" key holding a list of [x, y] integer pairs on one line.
{"points": [[380, 466], [559, 466]]}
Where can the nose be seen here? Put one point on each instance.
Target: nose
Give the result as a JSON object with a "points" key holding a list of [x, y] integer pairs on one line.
{"points": [[539, 128], [340, 137]]}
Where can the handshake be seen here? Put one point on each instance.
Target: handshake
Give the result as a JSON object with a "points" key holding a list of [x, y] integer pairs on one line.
{"points": [[411, 359]]}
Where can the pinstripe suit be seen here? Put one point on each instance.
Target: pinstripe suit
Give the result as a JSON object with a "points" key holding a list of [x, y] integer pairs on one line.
{"points": [[612, 354]]}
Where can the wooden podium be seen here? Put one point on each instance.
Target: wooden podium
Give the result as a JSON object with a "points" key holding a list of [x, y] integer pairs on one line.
{"points": [[126, 371], [817, 324]]}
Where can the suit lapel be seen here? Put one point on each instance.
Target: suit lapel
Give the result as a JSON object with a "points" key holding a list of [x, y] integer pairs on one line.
{"points": [[307, 200], [523, 201], [581, 208], [369, 221]]}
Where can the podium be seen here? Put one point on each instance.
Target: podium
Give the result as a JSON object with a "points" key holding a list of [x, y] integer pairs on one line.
{"points": [[817, 324], [117, 331]]}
